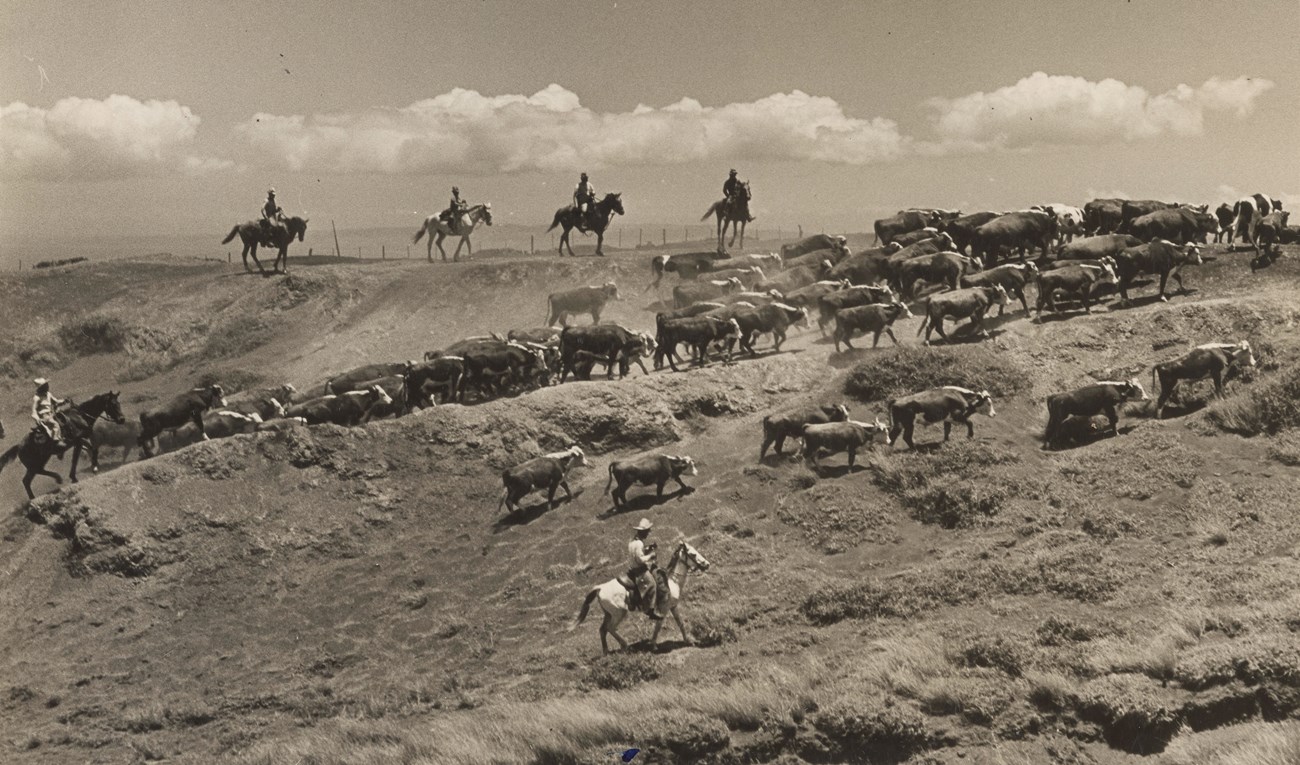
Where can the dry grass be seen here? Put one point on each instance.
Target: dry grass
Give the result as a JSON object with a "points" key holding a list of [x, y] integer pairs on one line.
{"points": [[1257, 743]]}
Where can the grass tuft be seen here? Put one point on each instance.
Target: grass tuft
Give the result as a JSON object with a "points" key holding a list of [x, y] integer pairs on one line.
{"points": [[908, 369]]}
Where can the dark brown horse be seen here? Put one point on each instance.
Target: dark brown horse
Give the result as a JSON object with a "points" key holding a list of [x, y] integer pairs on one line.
{"points": [[169, 415], [77, 422], [734, 211], [281, 234], [599, 216]]}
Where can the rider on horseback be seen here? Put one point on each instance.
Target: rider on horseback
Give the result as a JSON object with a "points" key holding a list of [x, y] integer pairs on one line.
{"points": [[584, 196], [733, 192], [271, 214], [44, 406], [455, 208], [644, 571]]}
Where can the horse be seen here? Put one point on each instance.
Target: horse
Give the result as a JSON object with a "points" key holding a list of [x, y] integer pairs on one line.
{"points": [[598, 218], [734, 211], [252, 234], [436, 227], [614, 593], [78, 430]]}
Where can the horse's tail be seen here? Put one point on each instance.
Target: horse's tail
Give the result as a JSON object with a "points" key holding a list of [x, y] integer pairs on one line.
{"points": [[710, 212], [234, 232], [586, 606], [556, 221], [9, 456], [419, 233]]}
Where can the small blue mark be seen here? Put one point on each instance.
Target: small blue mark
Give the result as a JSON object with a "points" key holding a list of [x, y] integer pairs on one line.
{"points": [[630, 754]]}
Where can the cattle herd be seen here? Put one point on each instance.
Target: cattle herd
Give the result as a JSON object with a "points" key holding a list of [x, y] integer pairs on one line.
{"points": [[941, 264]]}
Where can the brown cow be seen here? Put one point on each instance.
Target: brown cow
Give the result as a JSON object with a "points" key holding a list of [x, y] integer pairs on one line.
{"points": [[874, 318], [581, 300], [546, 472], [948, 404], [971, 302], [1214, 360]]}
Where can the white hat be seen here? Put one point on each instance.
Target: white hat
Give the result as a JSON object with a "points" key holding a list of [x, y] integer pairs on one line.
{"points": [[644, 525], [41, 381]]}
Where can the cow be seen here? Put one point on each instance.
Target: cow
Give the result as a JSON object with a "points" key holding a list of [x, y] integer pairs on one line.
{"points": [[187, 407], [771, 261], [836, 437], [398, 402], [353, 379], [748, 276], [267, 403], [1090, 401], [752, 298], [1069, 220], [811, 244], [948, 404], [831, 303], [1074, 280], [1213, 360], [912, 237], [1225, 217], [1097, 247], [347, 409], [687, 265], [538, 335], [775, 318], [910, 220], [442, 375], [818, 258], [1156, 257], [874, 318], [696, 309], [869, 265], [971, 302], [888, 267], [805, 297], [470, 343], [578, 301], [962, 230], [618, 345], [1249, 212], [490, 368], [1019, 231], [546, 472], [648, 470], [939, 268], [221, 424], [686, 294], [1012, 277], [1131, 210], [281, 425], [1102, 216], [792, 279], [1177, 224], [696, 331], [1268, 233], [777, 428]]}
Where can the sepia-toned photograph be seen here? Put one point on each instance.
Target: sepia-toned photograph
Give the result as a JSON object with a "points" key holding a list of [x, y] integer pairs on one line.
{"points": [[665, 382]]}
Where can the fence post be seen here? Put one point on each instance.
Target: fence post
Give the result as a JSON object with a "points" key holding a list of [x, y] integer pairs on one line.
{"points": [[532, 246], [686, 233], [620, 238], [337, 252], [383, 252], [638, 237], [408, 252], [801, 231], [665, 236], [228, 256]]}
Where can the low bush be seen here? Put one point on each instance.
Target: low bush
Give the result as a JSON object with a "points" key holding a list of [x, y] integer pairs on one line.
{"points": [[992, 651], [94, 334], [59, 262], [709, 628], [960, 504], [1060, 630], [1268, 407], [619, 671], [876, 724], [908, 369]]}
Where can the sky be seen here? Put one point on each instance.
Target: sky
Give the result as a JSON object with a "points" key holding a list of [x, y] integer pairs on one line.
{"points": [[127, 117]]}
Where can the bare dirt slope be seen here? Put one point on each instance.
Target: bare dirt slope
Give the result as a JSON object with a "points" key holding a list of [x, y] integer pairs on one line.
{"points": [[333, 595]]}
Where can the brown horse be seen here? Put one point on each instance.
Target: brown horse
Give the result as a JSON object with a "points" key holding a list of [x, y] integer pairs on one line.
{"points": [[599, 216], [734, 211], [281, 234], [78, 431]]}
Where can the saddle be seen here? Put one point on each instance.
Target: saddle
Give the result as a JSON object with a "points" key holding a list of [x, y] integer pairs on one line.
{"points": [[635, 601]]}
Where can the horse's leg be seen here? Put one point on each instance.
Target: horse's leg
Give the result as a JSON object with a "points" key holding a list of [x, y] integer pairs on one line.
{"points": [[244, 255], [455, 256], [613, 621], [604, 636], [438, 241], [564, 242], [27, 482], [429, 243], [76, 457], [654, 636], [469, 246], [677, 618], [600, 241], [742, 234], [257, 262]]}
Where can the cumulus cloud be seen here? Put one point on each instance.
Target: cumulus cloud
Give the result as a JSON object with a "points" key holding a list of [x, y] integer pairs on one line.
{"points": [[85, 138], [464, 130], [1055, 109]]}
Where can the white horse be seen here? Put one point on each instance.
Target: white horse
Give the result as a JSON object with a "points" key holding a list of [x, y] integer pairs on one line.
{"points": [[437, 229], [613, 597]]}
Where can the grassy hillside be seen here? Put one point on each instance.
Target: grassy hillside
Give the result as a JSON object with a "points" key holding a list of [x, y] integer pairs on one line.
{"points": [[331, 595]]}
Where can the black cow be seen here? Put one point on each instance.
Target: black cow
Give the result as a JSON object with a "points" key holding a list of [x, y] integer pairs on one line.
{"points": [[1131, 210], [1076, 281], [443, 375], [1157, 257], [836, 437], [962, 230], [618, 345], [869, 265], [1102, 216], [1097, 247], [972, 302], [1176, 224], [1019, 231], [939, 268], [948, 404], [1012, 277], [774, 318], [347, 409], [777, 428], [578, 301], [1090, 401], [696, 331], [811, 244], [910, 220], [1214, 360], [187, 407], [687, 265], [807, 297], [648, 470], [889, 267], [874, 318], [832, 303], [491, 368], [688, 294], [547, 472], [1225, 217]]}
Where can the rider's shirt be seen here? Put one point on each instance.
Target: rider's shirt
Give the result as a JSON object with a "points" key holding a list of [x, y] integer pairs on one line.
{"points": [[637, 555], [43, 406], [270, 209], [730, 186], [584, 191]]}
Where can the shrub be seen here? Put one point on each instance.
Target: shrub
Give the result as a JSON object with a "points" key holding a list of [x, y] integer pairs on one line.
{"points": [[710, 629], [619, 671], [955, 505], [875, 724], [94, 334], [1058, 630], [994, 652], [59, 262], [690, 736], [908, 369], [1268, 407]]}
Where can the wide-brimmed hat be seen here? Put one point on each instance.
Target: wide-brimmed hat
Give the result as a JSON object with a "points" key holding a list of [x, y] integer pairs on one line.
{"points": [[644, 525], [733, 171], [270, 191], [41, 381]]}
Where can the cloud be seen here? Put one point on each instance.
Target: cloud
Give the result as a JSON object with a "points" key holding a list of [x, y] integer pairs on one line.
{"points": [[464, 130], [1053, 109], [91, 139]]}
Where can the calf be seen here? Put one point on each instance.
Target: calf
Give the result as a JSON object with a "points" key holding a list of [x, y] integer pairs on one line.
{"points": [[578, 301], [1012, 277], [948, 404], [688, 294], [617, 344], [1076, 280], [1159, 256], [972, 302], [874, 318], [398, 402], [1089, 401], [697, 332], [187, 407], [836, 437], [650, 469], [777, 428], [830, 304], [547, 472], [1214, 360], [346, 409]]}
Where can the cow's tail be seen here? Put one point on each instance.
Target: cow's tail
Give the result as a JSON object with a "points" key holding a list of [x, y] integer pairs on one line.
{"points": [[9, 456], [556, 221], [234, 232], [586, 606], [419, 233], [610, 482]]}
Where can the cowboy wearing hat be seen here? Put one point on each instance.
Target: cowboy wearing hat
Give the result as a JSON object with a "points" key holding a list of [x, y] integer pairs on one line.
{"points": [[455, 208], [44, 405], [584, 195], [642, 558], [271, 212], [731, 189]]}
